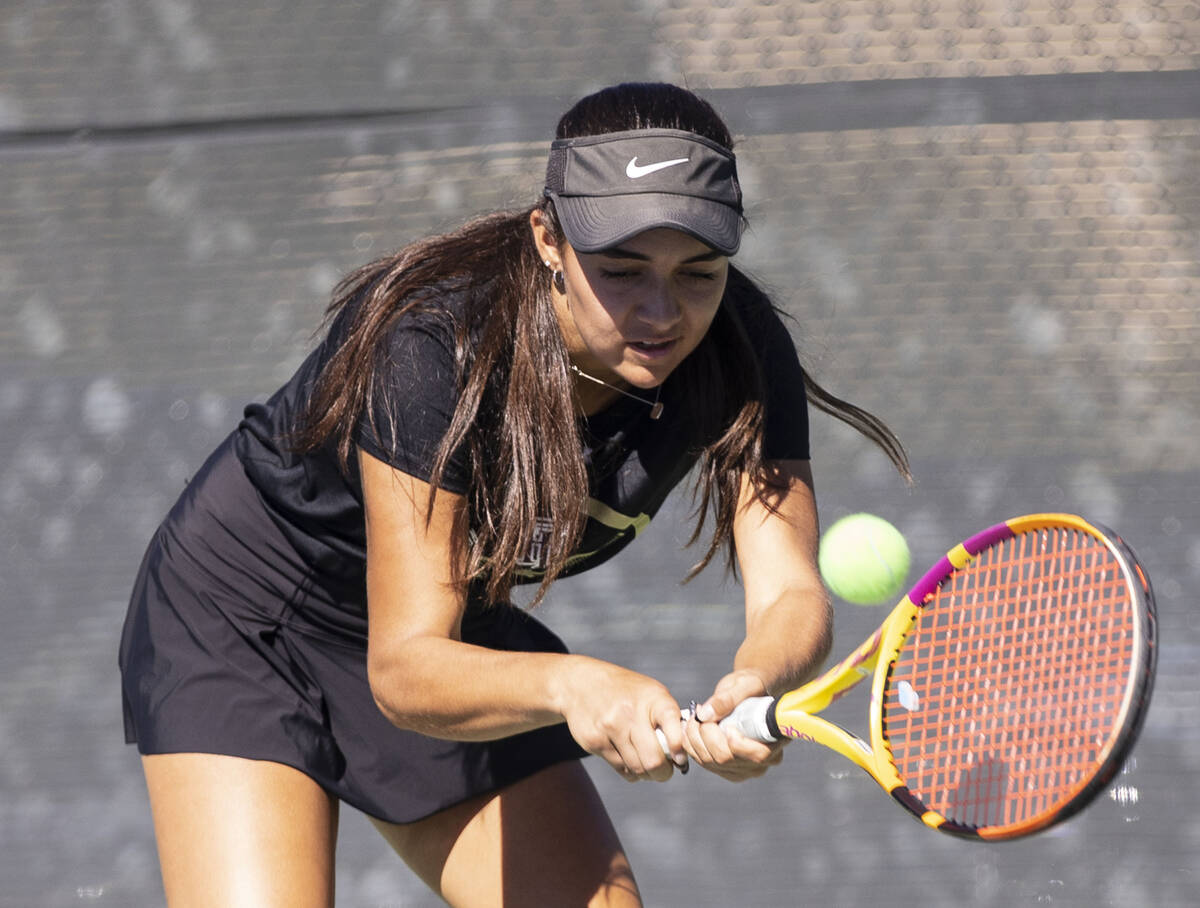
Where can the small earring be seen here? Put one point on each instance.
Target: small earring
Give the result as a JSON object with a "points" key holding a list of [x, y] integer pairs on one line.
{"points": [[560, 283]]}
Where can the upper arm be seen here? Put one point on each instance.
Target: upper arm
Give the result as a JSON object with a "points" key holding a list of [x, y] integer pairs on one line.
{"points": [[410, 559], [776, 538]]}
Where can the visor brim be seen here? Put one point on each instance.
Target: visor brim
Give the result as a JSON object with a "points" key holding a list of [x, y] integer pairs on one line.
{"points": [[597, 223]]}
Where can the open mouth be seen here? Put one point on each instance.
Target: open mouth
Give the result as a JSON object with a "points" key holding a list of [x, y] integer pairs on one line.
{"points": [[653, 346]]}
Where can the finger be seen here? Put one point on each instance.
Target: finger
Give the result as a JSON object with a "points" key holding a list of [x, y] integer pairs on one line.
{"points": [[669, 728], [654, 763], [678, 756], [694, 743], [714, 745], [628, 764], [613, 758], [735, 757], [750, 750], [717, 742], [729, 692], [719, 705], [753, 758], [719, 762], [641, 757]]}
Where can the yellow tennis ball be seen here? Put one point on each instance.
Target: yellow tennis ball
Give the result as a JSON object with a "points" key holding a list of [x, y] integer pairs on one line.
{"points": [[864, 559]]}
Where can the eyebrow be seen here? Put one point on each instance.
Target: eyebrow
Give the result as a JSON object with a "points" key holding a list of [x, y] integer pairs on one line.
{"points": [[618, 252]]}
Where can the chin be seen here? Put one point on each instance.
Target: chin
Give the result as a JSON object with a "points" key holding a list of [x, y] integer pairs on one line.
{"points": [[645, 377]]}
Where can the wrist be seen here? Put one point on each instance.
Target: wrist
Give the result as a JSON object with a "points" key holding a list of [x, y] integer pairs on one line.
{"points": [[562, 682], [771, 674]]}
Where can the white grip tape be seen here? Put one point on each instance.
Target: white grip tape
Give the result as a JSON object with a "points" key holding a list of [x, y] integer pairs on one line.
{"points": [[662, 742], [685, 715], [750, 718]]}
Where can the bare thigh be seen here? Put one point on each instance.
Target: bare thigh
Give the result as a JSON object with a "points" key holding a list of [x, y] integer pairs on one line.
{"points": [[234, 832], [546, 840]]}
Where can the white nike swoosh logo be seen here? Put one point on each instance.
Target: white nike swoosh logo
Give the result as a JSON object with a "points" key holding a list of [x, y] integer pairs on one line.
{"points": [[634, 172]]}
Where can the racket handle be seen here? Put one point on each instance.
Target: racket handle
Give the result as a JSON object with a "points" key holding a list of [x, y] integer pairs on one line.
{"points": [[751, 718], [662, 742]]}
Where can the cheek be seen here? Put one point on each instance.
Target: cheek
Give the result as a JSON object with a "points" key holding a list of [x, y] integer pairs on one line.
{"points": [[706, 313], [603, 313], [706, 300], [594, 323]]}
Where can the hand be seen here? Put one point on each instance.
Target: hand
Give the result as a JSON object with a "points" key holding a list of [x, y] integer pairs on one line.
{"points": [[727, 753], [613, 712]]}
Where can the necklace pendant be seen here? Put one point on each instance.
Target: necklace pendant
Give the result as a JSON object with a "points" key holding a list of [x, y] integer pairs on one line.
{"points": [[656, 410]]}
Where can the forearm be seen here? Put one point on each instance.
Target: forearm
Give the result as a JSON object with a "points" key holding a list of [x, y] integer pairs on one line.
{"points": [[448, 689], [788, 640], [443, 688], [789, 624]]}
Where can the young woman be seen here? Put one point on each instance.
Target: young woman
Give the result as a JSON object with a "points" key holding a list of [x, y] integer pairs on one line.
{"points": [[324, 615]]}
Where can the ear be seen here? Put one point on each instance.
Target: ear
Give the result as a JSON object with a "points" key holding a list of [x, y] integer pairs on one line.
{"points": [[543, 238]]}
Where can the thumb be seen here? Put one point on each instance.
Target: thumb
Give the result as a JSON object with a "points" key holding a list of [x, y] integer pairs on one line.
{"points": [[729, 692]]}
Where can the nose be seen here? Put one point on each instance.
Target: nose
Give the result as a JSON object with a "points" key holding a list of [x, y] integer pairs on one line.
{"points": [[659, 308]]}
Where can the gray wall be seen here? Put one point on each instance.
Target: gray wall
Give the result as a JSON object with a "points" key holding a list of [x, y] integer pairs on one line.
{"points": [[984, 216]]}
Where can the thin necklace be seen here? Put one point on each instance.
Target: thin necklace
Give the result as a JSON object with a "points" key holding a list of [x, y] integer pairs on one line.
{"points": [[656, 407]]}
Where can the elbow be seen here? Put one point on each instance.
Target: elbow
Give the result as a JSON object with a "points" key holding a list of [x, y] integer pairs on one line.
{"points": [[393, 690], [413, 683], [383, 693]]}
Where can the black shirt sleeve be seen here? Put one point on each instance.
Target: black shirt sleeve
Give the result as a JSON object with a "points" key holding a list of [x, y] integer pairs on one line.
{"points": [[786, 432], [412, 401]]}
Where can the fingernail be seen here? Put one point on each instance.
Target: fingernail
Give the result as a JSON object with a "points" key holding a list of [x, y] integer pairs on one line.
{"points": [[705, 713]]}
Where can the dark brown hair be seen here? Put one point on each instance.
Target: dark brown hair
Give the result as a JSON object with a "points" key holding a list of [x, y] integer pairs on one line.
{"points": [[515, 420]]}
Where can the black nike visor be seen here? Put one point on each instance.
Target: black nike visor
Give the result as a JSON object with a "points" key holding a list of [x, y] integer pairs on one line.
{"points": [[611, 187]]}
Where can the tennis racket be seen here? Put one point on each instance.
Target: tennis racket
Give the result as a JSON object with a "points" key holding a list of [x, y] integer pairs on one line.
{"points": [[1007, 687]]}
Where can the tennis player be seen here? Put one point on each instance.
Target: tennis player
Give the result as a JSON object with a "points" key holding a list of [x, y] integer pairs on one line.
{"points": [[324, 614]]}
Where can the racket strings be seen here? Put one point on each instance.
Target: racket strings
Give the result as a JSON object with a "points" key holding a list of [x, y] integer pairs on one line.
{"points": [[1007, 692]]}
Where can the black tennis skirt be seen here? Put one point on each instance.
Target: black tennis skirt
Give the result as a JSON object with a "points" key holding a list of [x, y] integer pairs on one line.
{"points": [[216, 657]]}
